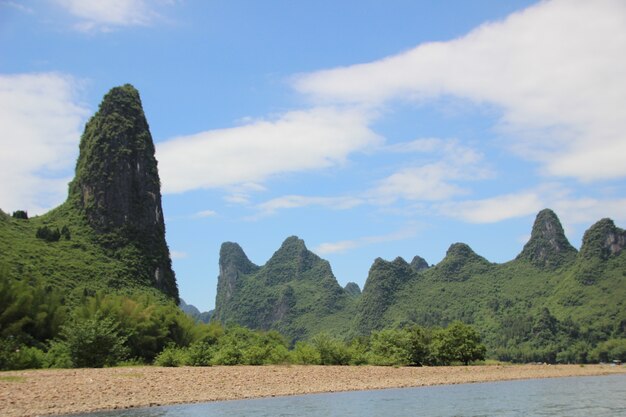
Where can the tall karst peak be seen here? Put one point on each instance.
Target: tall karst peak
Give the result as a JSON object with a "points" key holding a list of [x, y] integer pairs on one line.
{"points": [[293, 258], [548, 247], [117, 186], [603, 240], [117, 182], [233, 263]]}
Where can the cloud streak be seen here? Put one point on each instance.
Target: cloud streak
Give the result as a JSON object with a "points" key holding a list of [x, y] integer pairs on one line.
{"points": [[40, 123], [97, 15], [555, 70], [345, 245], [297, 141]]}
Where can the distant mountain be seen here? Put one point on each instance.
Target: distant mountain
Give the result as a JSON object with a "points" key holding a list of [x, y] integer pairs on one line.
{"points": [[109, 234], [193, 312], [295, 292], [547, 300]]}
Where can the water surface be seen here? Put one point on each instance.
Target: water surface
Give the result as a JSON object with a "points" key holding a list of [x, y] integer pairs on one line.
{"points": [[603, 396]]}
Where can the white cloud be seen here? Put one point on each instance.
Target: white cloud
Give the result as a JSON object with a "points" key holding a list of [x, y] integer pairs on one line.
{"points": [[345, 245], [556, 71], [105, 15], [295, 142], [205, 213], [298, 201], [175, 254], [570, 208], [432, 181], [40, 127], [495, 209]]}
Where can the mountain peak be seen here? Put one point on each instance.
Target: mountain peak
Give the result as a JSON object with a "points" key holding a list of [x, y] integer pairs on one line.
{"points": [[117, 186], [117, 183], [548, 246], [602, 240], [460, 263], [419, 264]]}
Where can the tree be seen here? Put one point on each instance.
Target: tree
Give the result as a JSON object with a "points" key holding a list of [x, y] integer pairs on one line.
{"points": [[390, 347], [458, 342], [94, 342], [20, 214]]}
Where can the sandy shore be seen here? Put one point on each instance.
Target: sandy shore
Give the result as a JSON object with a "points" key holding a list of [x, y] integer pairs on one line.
{"points": [[49, 392]]}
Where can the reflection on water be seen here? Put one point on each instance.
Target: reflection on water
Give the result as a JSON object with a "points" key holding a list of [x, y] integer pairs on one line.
{"points": [[562, 397]]}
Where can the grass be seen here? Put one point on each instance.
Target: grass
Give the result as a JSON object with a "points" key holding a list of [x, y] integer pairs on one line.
{"points": [[12, 378]]}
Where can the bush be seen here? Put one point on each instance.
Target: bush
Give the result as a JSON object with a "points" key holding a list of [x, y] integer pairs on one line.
{"points": [[390, 347], [48, 234], [171, 356], [331, 350], [20, 214], [610, 350], [14, 356], [305, 354], [94, 342], [199, 354], [58, 356]]}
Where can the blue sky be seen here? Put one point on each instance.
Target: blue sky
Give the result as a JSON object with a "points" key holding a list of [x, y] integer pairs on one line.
{"points": [[367, 128]]}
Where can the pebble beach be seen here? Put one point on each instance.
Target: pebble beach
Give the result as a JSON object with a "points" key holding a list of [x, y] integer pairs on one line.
{"points": [[64, 391]]}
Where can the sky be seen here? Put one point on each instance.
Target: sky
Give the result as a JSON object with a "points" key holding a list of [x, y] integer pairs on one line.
{"points": [[367, 128]]}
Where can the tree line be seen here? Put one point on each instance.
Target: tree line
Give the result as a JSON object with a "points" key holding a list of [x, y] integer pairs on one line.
{"points": [[41, 328]]}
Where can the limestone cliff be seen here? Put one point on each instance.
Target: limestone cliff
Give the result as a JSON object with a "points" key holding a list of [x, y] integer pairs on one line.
{"points": [[548, 247], [117, 186]]}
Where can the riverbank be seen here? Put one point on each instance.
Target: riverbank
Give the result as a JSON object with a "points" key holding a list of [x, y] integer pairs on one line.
{"points": [[62, 391]]}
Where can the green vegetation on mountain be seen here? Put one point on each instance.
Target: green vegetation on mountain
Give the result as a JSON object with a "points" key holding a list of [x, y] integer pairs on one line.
{"points": [[109, 234], [295, 292], [534, 308], [550, 304], [94, 274]]}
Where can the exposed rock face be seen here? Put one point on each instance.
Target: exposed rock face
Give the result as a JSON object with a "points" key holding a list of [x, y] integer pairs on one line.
{"points": [[603, 240], [233, 263], [117, 184], [548, 247], [419, 264], [384, 280], [352, 288], [293, 292]]}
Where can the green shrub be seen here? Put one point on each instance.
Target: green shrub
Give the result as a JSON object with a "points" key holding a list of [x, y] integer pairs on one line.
{"points": [[15, 356], [228, 354], [305, 354], [199, 354], [331, 350], [171, 356], [94, 342], [390, 347], [58, 356]]}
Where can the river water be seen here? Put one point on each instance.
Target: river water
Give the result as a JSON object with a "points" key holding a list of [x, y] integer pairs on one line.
{"points": [[603, 396]]}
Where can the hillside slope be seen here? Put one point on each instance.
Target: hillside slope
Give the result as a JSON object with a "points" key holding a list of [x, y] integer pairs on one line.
{"points": [[295, 292], [110, 233]]}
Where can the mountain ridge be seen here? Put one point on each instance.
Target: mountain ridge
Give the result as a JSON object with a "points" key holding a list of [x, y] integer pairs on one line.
{"points": [[549, 278]]}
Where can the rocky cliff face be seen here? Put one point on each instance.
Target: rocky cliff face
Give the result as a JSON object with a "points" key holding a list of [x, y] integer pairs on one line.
{"points": [[293, 292], [233, 264], [419, 264], [603, 240], [117, 185], [548, 247], [384, 280]]}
